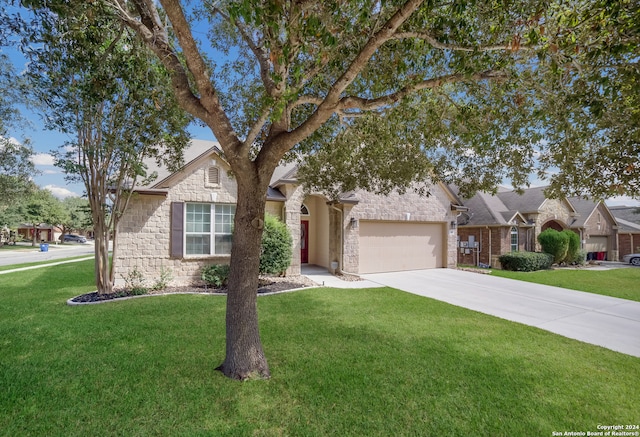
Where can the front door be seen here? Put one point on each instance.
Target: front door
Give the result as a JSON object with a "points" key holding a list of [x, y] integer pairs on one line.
{"points": [[304, 241]]}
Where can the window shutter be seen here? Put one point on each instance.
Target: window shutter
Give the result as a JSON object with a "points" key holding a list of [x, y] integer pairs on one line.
{"points": [[177, 229], [214, 175]]}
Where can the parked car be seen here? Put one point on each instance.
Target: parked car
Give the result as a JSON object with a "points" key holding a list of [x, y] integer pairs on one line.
{"points": [[633, 258], [74, 238]]}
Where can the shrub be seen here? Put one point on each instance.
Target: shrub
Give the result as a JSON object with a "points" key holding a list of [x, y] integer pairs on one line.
{"points": [[135, 282], [526, 261], [554, 242], [163, 281], [215, 275], [581, 258], [276, 246], [573, 248]]}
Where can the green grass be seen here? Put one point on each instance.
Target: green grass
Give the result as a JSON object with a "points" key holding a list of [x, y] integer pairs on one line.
{"points": [[17, 247], [374, 362], [622, 283]]}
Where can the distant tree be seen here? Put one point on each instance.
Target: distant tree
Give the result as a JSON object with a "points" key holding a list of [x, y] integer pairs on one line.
{"points": [[100, 84], [16, 171], [16, 168], [43, 208], [79, 215]]}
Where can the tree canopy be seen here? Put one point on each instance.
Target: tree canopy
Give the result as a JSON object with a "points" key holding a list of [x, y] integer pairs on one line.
{"points": [[382, 95], [98, 83]]}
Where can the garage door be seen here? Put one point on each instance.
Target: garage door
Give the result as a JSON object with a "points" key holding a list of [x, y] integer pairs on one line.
{"points": [[596, 244], [397, 246]]}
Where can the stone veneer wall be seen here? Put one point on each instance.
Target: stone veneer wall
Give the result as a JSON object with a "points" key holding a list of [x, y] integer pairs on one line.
{"points": [[394, 207], [552, 209], [144, 231]]}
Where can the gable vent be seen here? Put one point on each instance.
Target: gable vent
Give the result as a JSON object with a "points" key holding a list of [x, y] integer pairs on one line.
{"points": [[213, 176]]}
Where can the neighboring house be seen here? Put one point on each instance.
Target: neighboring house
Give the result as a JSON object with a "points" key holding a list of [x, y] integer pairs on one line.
{"points": [[508, 222], [45, 233], [628, 218], [184, 220]]}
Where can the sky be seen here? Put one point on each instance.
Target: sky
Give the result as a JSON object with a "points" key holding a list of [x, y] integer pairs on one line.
{"points": [[52, 178]]}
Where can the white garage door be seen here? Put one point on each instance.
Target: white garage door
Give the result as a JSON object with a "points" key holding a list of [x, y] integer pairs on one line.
{"points": [[596, 244], [397, 246]]}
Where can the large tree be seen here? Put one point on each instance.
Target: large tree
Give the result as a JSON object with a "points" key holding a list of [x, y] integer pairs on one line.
{"points": [[16, 167], [390, 93], [100, 85]]}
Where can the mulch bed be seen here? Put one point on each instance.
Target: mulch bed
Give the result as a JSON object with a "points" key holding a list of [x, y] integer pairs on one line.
{"points": [[265, 286]]}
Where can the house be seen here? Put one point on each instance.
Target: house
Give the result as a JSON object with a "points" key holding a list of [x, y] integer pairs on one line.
{"points": [[46, 233], [508, 222], [184, 220], [628, 218]]}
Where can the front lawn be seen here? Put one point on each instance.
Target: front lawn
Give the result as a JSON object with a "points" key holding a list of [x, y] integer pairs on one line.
{"points": [[623, 283], [374, 362]]}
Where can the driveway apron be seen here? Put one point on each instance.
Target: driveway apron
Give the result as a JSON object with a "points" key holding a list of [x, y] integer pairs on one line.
{"points": [[601, 320]]}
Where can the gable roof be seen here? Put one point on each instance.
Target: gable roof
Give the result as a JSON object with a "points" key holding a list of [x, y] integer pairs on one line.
{"points": [[487, 210], [585, 208], [194, 153], [529, 201], [626, 213], [507, 205]]}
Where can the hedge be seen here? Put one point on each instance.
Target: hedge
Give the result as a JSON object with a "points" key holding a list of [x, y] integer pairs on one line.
{"points": [[526, 261]]}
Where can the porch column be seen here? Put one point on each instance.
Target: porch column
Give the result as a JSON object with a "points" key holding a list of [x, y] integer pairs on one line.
{"points": [[295, 196]]}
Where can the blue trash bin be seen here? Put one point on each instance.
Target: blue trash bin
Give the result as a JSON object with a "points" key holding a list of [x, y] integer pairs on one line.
{"points": [[44, 247]]}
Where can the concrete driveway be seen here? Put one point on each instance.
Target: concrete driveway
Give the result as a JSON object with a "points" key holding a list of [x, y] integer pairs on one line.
{"points": [[601, 320]]}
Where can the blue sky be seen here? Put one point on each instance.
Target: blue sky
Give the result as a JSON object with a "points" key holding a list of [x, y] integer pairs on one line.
{"points": [[52, 178]]}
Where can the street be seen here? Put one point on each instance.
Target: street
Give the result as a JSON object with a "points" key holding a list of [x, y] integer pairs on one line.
{"points": [[33, 254]]}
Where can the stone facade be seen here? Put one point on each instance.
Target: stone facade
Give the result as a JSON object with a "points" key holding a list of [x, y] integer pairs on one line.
{"points": [[395, 207], [144, 233], [143, 241]]}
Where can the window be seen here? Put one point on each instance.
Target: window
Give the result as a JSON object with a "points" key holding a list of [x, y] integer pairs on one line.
{"points": [[208, 228], [304, 210], [514, 239]]}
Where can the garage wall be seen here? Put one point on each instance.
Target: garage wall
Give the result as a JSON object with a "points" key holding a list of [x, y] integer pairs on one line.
{"points": [[398, 246], [399, 208]]}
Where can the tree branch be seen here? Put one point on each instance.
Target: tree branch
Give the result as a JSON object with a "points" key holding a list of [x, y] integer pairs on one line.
{"points": [[443, 46], [332, 100], [352, 102], [258, 52], [207, 107], [257, 127]]}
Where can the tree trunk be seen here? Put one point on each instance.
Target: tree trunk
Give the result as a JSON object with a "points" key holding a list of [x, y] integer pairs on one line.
{"points": [[244, 355], [104, 284]]}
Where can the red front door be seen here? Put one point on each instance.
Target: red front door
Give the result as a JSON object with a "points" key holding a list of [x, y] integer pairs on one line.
{"points": [[304, 241]]}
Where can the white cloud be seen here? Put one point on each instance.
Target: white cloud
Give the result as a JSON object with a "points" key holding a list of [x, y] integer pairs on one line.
{"points": [[42, 159], [60, 192], [50, 172]]}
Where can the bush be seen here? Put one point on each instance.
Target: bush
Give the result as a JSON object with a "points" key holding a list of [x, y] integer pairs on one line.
{"points": [[276, 246], [573, 249], [135, 282], [526, 261], [216, 275], [163, 280], [580, 259], [554, 242]]}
